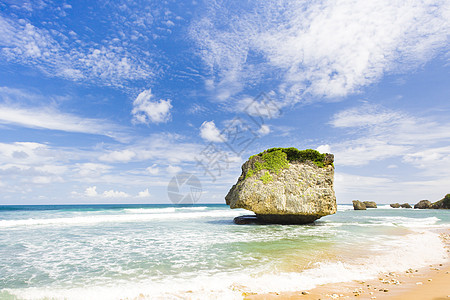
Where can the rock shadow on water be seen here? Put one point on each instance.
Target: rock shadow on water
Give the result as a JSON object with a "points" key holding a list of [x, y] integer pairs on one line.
{"points": [[274, 220]]}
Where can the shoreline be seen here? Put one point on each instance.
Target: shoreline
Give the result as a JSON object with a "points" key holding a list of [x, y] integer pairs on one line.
{"points": [[432, 282]]}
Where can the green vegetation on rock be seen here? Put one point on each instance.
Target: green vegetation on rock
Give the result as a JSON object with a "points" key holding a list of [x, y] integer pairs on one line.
{"points": [[444, 203], [266, 177], [275, 159], [294, 154], [272, 161], [447, 200]]}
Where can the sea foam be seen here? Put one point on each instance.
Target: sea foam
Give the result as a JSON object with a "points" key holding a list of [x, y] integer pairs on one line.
{"points": [[392, 255], [141, 216]]}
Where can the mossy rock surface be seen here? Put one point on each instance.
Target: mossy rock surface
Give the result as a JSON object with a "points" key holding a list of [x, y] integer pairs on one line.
{"points": [[442, 204], [276, 159]]}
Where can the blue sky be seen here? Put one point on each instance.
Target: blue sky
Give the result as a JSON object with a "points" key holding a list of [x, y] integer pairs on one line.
{"points": [[106, 101]]}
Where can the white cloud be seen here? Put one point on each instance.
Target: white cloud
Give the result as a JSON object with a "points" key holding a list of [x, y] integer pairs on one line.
{"points": [[26, 153], [324, 149], [173, 169], [387, 189], [145, 110], [351, 187], [25, 166], [114, 194], [144, 194], [346, 181], [263, 106], [366, 115], [362, 151], [432, 160], [380, 133], [157, 148], [60, 52], [91, 169], [210, 133], [118, 156], [53, 119], [91, 191], [196, 109], [264, 129], [52, 169], [319, 48], [154, 170], [46, 179]]}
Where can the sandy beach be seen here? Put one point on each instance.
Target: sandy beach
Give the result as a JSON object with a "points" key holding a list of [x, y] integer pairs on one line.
{"points": [[431, 283]]}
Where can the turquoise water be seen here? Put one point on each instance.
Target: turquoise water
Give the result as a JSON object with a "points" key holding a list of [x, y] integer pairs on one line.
{"points": [[196, 252]]}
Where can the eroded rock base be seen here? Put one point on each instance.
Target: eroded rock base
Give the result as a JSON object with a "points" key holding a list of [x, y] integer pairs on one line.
{"points": [[275, 219], [287, 219]]}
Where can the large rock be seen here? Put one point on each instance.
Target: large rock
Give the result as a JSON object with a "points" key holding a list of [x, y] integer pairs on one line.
{"points": [[395, 205], [423, 204], [358, 205], [443, 203], [370, 204], [286, 186], [405, 205]]}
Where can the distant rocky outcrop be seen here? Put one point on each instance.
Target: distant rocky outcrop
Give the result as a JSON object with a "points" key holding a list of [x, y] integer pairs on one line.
{"points": [[443, 203], [285, 186], [358, 205], [423, 204], [398, 205], [370, 204]]}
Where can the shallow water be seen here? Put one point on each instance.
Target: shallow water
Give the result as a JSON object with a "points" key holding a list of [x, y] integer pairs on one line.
{"points": [[196, 252]]}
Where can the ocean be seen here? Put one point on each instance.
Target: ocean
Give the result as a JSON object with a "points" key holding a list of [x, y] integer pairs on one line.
{"points": [[197, 252]]}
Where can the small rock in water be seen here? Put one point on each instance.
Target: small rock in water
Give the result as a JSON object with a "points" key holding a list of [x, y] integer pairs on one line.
{"points": [[385, 290], [430, 279], [358, 205], [305, 293]]}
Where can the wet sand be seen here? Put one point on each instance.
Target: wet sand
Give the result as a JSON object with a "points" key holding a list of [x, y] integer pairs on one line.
{"points": [[431, 283]]}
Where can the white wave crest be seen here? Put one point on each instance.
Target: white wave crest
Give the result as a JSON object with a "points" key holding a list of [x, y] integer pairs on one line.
{"points": [[118, 218]]}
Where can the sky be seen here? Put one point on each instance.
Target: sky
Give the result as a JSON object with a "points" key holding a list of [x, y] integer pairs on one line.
{"points": [[110, 101]]}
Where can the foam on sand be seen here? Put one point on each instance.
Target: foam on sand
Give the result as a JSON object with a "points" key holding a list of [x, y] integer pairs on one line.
{"points": [[392, 255]]}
